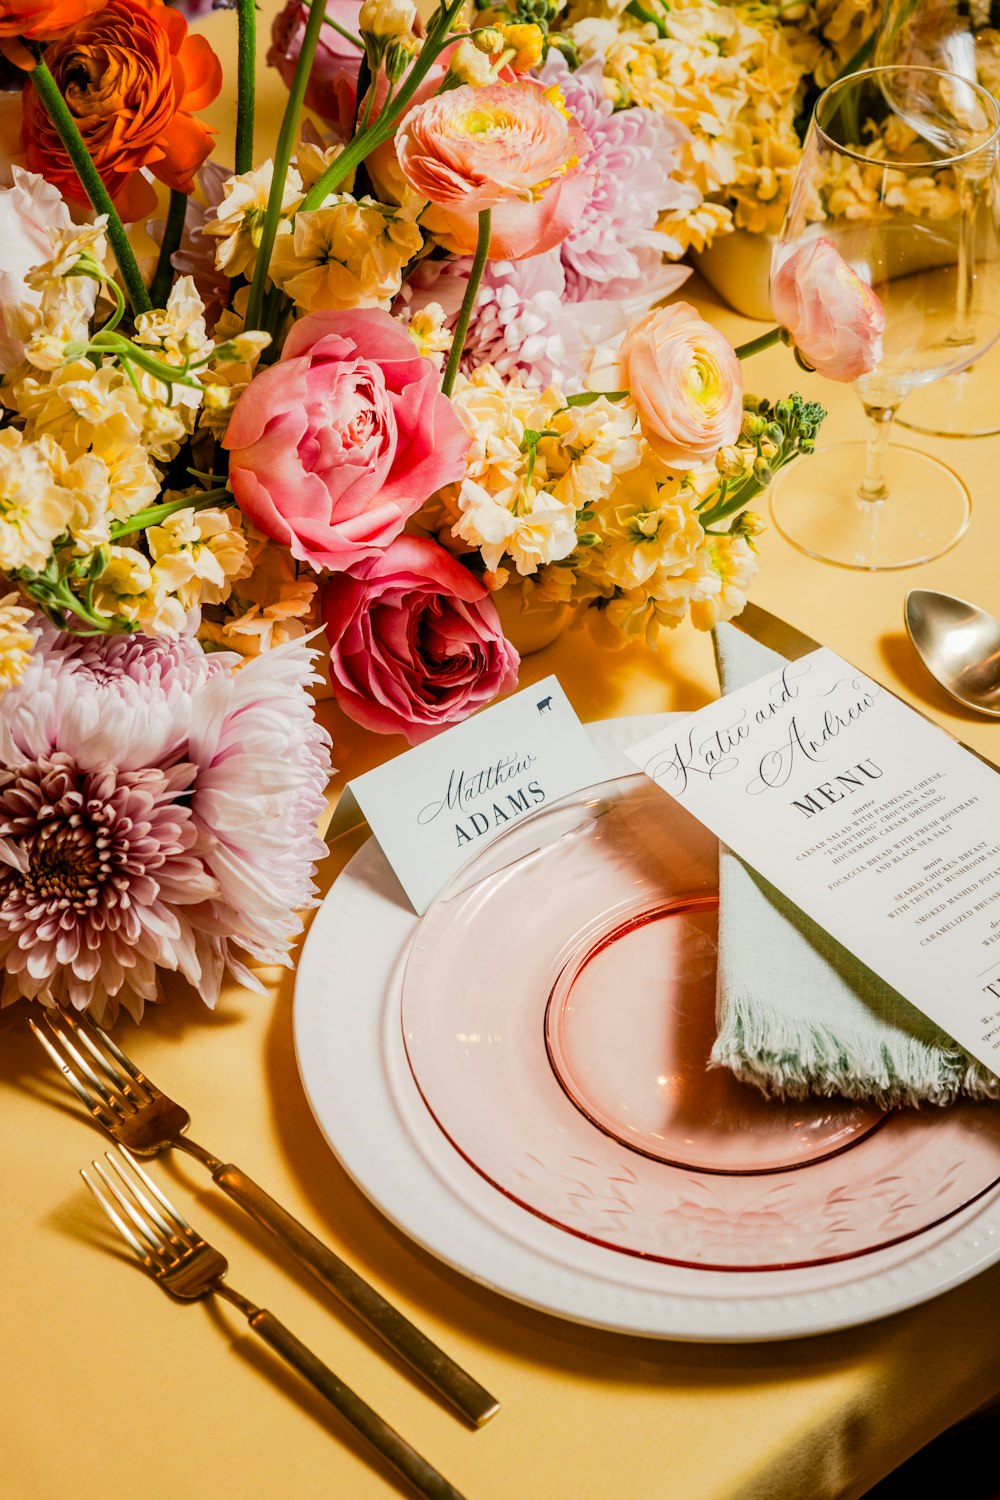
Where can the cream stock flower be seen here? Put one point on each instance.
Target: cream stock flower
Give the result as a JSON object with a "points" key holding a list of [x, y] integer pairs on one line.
{"points": [[176, 331], [735, 563], [240, 216], [196, 556], [386, 19], [349, 253], [34, 507], [649, 531], [15, 640], [598, 442], [526, 524], [426, 328], [271, 605], [126, 590]]}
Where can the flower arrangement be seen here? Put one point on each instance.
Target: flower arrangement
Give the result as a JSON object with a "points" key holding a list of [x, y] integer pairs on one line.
{"points": [[374, 377]]}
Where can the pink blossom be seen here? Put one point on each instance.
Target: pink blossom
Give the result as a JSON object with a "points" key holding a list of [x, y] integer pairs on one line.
{"points": [[834, 318], [333, 80], [157, 812], [527, 319], [686, 382], [614, 245], [415, 641], [526, 168], [336, 445], [30, 209]]}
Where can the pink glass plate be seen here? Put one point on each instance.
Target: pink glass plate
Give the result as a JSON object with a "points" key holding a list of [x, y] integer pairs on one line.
{"points": [[558, 1011]]}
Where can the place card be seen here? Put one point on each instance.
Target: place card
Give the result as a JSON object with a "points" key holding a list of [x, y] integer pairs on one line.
{"points": [[437, 804], [873, 821]]}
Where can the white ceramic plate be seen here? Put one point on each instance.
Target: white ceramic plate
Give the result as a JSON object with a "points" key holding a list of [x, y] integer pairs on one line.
{"points": [[351, 1057]]}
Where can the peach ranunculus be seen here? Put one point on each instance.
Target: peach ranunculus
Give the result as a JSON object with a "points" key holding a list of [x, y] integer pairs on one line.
{"points": [[44, 20], [834, 318], [508, 147], [686, 383], [132, 77]]}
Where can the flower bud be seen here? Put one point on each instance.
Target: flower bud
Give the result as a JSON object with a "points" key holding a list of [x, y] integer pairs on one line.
{"points": [[768, 449], [733, 462], [216, 397], [469, 65], [489, 40], [752, 426], [763, 473], [386, 19], [528, 44]]}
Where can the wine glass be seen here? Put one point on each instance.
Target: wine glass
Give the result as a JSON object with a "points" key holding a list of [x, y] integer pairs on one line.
{"points": [[959, 37], [889, 154]]}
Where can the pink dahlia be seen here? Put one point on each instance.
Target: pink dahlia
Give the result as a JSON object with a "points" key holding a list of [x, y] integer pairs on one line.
{"points": [[615, 244], [158, 810]]}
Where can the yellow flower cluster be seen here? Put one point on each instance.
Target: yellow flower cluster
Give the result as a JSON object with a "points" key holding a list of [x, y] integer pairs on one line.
{"points": [[16, 641], [736, 76], [78, 460], [270, 603], [567, 502], [349, 253]]}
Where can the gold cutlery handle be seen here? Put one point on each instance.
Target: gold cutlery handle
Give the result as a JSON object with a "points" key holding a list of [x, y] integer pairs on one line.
{"points": [[385, 1439], [438, 1369]]}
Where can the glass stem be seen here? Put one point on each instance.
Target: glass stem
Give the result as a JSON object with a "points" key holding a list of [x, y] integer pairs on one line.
{"points": [[969, 191], [880, 419]]}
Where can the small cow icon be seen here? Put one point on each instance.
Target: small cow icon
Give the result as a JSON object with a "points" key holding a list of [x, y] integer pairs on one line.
{"points": [[545, 705]]}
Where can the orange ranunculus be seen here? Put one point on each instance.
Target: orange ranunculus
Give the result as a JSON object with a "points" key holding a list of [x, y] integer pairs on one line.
{"points": [[43, 20], [131, 76]]}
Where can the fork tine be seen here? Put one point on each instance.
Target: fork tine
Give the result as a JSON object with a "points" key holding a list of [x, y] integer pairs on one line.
{"points": [[116, 1219], [126, 1077], [180, 1226], [158, 1252], [105, 1114]]}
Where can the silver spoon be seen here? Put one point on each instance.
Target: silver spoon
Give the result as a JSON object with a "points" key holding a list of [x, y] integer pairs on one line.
{"points": [[959, 644]]}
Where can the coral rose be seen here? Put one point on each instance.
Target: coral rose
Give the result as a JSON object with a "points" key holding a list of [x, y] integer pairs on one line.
{"points": [[415, 641], [686, 383], [131, 77], [834, 318], [506, 147], [44, 20], [336, 445], [332, 88]]}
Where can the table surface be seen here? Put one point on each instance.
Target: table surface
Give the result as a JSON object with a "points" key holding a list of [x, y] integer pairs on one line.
{"points": [[108, 1389]]}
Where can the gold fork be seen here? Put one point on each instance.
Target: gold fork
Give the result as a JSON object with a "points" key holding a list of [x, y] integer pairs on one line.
{"points": [[140, 1116], [187, 1267]]}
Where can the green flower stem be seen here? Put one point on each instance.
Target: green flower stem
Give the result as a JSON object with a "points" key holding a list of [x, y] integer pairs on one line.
{"points": [[468, 301], [246, 82], [154, 514], [363, 144], [282, 158], [757, 346], [159, 287], [59, 113]]}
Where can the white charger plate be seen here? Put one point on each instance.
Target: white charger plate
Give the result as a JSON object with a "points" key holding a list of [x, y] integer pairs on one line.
{"points": [[352, 1061]]}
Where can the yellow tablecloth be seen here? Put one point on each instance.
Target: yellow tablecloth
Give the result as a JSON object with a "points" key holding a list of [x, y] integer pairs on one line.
{"points": [[110, 1391]]}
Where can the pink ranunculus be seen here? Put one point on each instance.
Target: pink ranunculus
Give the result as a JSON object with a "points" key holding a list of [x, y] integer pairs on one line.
{"points": [[415, 641], [332, 89], [834, 318], [505, 147], [333, 448], [686, 383]]}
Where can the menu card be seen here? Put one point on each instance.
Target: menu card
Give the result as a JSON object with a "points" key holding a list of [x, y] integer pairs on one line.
{"points": [[441, 802], [873, 821]]}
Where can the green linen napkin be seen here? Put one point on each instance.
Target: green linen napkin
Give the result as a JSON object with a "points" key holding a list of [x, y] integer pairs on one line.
{"points": [[797, 1014]]}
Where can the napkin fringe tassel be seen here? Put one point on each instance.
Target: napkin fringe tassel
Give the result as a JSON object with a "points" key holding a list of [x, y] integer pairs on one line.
{"points": [[759, 1047]]}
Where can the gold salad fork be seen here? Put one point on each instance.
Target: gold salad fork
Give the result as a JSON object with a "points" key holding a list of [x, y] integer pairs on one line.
{"points": [[187, 1267], [140, 1116]]}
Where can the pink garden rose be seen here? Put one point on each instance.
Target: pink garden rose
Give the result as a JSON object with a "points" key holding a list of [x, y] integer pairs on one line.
{"points": [[505, 147], [415, 641], [834, 318], [336, 445], [332, 89], [686, 382]]}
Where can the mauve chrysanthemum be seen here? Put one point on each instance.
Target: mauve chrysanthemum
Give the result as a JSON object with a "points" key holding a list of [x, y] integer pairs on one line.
{"points": [[614, 244], [158, 810]]}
